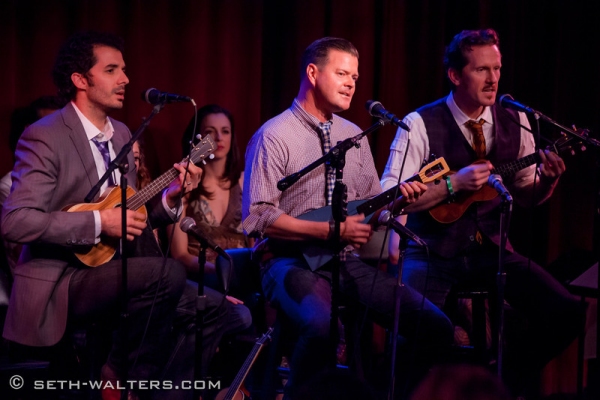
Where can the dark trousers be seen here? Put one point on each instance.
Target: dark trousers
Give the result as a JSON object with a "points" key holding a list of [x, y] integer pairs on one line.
{"points": [[165, 318], [305, 297], [553, 316]]}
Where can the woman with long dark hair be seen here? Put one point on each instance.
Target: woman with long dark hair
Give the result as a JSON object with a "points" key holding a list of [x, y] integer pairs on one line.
{"points": [[216, 205]]}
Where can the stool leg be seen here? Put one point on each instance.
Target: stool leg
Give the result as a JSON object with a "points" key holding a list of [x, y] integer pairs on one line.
{"points": [[478, 339]]}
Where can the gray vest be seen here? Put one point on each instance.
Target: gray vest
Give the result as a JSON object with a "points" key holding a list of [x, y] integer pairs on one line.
{"points": [[446, 140]]}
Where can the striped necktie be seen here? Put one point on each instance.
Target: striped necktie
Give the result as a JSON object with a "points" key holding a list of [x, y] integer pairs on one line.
{"points": [[325, 128], [104, 151], [476, 127]]}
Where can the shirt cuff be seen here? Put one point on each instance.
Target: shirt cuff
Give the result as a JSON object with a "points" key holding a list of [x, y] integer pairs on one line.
{"points": [[97, 226], [174, 213]]}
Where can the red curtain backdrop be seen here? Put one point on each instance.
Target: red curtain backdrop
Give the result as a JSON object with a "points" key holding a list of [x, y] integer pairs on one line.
{"points": [[245, 54]]}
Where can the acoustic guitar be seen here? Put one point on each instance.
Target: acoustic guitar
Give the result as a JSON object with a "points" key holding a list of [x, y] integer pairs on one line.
{"points": [[450, 212], [237, 391], [317, 253], [102, 252]]}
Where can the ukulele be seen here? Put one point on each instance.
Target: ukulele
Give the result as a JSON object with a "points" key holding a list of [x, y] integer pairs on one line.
{"points": [[317, 253], [102, 252], [450, 212], [237, 391]]}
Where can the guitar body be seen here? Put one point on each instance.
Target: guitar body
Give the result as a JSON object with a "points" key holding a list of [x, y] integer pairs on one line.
{"points": [[105, 250], [241, 394], [446, 213], [317, 253]]}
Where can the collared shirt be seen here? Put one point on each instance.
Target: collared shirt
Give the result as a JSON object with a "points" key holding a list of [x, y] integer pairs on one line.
{"points": [[104, 135], [419, 144], [285, 145]]}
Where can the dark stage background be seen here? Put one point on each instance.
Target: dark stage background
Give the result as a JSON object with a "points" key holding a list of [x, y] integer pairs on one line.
{"points": [[244, 55]]}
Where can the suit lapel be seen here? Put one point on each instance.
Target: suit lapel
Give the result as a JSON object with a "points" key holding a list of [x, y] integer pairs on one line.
{"points": [[81, 143]]}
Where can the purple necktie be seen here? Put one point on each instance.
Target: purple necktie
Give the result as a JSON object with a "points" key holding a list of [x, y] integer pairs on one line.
{"points": [[103, 148]]}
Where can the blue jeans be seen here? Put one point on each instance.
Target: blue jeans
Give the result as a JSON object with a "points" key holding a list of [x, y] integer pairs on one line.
{"points": [[305, 297]]}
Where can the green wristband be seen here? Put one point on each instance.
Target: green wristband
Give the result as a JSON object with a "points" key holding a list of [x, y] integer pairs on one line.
{"points": [[451, 193]]}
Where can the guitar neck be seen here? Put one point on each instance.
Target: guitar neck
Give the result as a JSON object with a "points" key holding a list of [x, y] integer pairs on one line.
{"points": [[152, 189], [197, 154], [241, 376], [511, 168], [383, 199]]}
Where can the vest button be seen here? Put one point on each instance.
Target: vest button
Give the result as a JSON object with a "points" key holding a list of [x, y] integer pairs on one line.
{"points": [[472, 238]]}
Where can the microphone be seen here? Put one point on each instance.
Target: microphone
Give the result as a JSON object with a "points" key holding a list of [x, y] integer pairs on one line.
{"points": [[155, 96], [385, 218], [507, 101], [188, 225], [376, 110], [495, 181]]}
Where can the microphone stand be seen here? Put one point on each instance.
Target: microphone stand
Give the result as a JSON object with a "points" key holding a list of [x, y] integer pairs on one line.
{"points": [[505, 214], [596, 235], [200, 307], [336, 158], [122, 164], [404, 238]]}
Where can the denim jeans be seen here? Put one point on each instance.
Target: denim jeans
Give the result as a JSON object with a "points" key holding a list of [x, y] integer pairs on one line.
{"points": [[305, 297]]}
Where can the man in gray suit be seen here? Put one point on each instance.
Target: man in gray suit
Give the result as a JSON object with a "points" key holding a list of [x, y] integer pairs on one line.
{"points": [[58, 160]]}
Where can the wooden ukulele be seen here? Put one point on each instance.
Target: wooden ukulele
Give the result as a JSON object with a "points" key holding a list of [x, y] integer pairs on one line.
{"points": [[317, 253], [237, 391], [450, 212], [104, 251]]}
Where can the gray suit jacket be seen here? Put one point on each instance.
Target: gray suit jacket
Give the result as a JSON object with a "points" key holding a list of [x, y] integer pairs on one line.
{"points": [[54, 168]]}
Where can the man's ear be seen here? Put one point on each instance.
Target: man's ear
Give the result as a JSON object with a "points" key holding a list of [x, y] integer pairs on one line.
{"points": [[79, 80], [454, 76], [311, 73]]}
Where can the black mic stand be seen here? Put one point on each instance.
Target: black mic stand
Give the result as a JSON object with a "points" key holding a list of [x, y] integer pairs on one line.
{"points": [[200, 307], [595, 389], [122, 164], [336, 158], [402, 246], [339, 213], [505, 214]]}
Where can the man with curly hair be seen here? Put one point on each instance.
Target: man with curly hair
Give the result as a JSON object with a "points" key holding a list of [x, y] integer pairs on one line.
{"points": [[58, 160]]}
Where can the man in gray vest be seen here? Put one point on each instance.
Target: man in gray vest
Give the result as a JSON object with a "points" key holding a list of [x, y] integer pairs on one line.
{"points": [[474, 135]]}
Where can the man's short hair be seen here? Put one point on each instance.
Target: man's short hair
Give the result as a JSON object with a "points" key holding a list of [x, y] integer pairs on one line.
{"points": [[455, 56], [77, 55], [318, 51]]}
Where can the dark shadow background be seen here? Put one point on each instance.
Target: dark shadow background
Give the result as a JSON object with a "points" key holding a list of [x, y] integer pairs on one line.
{"points": [[244, 55]]}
